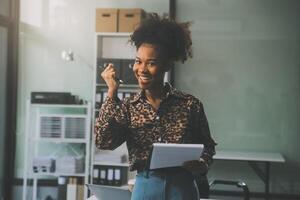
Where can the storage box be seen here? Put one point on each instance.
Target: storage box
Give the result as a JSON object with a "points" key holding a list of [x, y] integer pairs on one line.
{"points": [[106, 20], [129, 19]]}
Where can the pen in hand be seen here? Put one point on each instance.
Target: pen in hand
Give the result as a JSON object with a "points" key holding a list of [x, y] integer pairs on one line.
{"points": [[116, 78]]}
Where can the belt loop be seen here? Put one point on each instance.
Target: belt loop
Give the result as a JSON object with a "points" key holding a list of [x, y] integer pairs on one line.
{"points": [[147, 173]]}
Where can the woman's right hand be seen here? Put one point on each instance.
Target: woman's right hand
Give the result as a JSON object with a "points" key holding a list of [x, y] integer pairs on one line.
{"points": [[109, 76]]}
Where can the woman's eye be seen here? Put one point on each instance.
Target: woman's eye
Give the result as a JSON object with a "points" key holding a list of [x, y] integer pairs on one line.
{"points": [[137, 62], [151, 63]]}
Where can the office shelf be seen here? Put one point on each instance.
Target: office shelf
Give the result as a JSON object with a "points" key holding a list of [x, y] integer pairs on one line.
{"points": [[112, 47], [107, 163], [67, 128], [59, 174], [59, 140]]}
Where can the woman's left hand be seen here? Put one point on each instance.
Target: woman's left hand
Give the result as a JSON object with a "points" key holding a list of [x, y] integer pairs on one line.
{"points": [[196, 166]]}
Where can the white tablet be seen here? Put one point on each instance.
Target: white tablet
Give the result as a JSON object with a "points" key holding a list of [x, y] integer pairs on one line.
{"points": [[173, 155]]}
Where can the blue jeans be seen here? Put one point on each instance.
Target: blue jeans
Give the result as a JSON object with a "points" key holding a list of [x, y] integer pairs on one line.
{"points": [[165, 184]]}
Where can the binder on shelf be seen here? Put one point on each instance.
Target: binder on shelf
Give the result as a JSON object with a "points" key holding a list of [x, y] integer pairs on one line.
{"points": [[62, 188], [103, 175], [110, 176], [117, 176], [100, 175], [120, 175], [96, 175]]}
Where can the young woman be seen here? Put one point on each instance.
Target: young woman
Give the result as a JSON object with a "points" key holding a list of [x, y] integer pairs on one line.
{"points": [[158, 113]]}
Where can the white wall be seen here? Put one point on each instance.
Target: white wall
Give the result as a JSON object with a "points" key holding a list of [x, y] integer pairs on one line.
{"points": [[246, 71]]}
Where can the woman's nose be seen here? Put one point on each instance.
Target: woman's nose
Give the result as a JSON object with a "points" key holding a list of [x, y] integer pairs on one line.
{"points": [[143, 67]]}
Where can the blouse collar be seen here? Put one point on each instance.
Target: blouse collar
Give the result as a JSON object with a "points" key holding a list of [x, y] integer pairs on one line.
{"points": [[168, 87]]}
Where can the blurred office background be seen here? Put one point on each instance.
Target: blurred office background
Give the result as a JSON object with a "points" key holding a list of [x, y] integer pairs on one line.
{"points": [[245, 70]]}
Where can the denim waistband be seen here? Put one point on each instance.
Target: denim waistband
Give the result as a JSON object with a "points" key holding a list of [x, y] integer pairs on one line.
{"points": [[164, 172]]}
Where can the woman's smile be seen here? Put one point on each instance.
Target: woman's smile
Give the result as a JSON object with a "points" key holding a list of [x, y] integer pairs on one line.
{"points": [[144, 78]]}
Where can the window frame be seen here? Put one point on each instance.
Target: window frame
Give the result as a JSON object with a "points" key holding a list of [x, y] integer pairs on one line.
{"points": [[11, 23]]}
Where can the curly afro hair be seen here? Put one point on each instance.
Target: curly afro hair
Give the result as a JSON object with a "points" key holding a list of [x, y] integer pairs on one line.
{"points": [[172, 39]]}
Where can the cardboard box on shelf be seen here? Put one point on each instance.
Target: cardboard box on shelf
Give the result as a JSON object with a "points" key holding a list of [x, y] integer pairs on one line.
{"points": [[129, 19], [106, 19]]}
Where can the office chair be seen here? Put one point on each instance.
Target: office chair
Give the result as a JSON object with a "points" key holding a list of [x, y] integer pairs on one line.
{"points": [[239, 184], [203, 186]]}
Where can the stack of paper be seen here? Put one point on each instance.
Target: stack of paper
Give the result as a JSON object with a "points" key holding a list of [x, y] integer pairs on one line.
{"points": [[108, 156], [75, 127], [70, 164]]}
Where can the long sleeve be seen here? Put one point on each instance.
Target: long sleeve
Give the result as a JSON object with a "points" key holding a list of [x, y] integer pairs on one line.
{"points": [[111, 124], [201, 132]]}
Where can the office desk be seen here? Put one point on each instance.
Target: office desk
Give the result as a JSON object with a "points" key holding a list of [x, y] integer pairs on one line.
{"points": [[95, 198], [253, 158]]}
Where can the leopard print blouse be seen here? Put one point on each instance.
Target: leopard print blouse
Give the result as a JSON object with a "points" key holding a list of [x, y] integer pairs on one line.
{"points": [[179, 119]]}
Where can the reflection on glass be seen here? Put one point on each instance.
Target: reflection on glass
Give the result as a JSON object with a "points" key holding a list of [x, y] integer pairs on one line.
{"points": [[4, 7], [3, 67]]}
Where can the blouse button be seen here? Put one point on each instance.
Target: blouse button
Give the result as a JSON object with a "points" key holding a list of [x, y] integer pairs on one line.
{"points": [[157, 118], [159, 139]]}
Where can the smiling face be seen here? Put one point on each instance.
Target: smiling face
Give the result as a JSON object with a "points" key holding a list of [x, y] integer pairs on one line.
{"points": [[148, 67]]}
